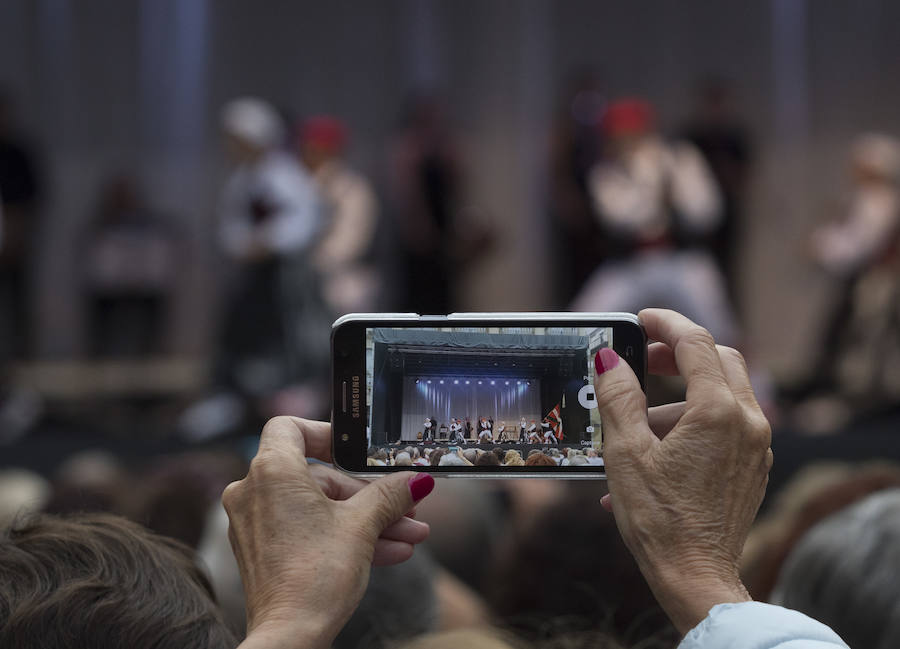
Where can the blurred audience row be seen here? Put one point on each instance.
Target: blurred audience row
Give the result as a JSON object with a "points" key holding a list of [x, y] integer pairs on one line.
{"points": [[523, 563]]}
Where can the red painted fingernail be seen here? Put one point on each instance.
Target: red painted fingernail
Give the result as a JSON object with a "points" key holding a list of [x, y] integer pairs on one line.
{"points": [[420, 485], [606, 359]]}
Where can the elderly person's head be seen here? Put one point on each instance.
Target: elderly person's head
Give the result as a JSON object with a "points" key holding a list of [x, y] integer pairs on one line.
{"points": [[513, 458], [402, 459], [471, 455], [452, 459], [844, 573], [98, 580]]}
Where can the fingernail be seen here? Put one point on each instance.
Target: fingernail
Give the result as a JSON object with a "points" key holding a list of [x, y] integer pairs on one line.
{"points": [[606, 359], [420, 485]]}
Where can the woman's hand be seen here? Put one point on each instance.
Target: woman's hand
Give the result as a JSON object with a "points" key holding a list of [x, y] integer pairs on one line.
{"points": [[305, 536], [685, 485]]}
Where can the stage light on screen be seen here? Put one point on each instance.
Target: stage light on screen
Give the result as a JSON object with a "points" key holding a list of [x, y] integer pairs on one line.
{"points": [[442, 381], [493, 382], [507, 383], [467, 383], [417, 381], [479, 383], [518, 383], [455, 381], [429, 381]]}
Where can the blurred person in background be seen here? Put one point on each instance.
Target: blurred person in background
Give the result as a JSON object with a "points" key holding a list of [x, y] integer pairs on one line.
{"points": [[350, 282], [273, 353], [575, 147], [652, 195], [843, 572], [858, 370], [130, 272], [21, 194], [814, 493], [717, 131], [557, 574], [435, 241]]}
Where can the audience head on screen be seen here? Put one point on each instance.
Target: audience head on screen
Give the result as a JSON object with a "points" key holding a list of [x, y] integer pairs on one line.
{"points": [[843, 573], [403, 459], [539, 459], [513, 458], [487, 459], [101, 581]]}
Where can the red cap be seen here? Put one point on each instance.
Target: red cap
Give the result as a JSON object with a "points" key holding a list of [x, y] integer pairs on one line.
{"points": [[627, 117], [323, 132]]}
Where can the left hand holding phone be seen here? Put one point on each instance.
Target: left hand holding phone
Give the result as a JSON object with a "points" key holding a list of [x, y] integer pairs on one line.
{"points": [[296, 531]]}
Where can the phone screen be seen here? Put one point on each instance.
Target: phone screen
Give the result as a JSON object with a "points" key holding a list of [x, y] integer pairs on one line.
{"points": [[483, 398]]}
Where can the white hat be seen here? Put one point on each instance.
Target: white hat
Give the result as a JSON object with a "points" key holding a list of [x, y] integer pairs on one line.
{"points": [[253, 120]]}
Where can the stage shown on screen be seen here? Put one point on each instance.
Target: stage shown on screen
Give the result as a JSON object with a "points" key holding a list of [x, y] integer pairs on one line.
{"points": [[520, 388]]}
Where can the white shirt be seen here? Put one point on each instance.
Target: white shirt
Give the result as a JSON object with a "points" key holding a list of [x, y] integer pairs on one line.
{"points": [[279, 182], [754, 625], [633, 195]]}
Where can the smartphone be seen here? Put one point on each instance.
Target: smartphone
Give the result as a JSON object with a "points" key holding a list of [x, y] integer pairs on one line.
{"points": [[518, 386]]}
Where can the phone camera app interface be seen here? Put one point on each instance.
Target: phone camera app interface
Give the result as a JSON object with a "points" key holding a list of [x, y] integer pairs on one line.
{"points": [[483, 396]]}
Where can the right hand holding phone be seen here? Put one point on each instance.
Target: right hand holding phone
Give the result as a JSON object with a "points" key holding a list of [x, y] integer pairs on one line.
{"points": [[686, 481]]}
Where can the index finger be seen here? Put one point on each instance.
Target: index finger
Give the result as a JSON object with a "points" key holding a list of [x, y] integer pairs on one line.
{"points": [[297, 436], [695, 350]]}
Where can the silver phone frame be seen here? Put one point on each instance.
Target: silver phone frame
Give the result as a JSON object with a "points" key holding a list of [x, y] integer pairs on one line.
{"points": [[507, 316]]}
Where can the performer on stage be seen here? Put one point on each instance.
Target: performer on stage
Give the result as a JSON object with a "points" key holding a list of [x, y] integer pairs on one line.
{"points": [[501, 432], [523, 437], [533, 436], [549, 437], [485, 436], [456, 436], [428, 431], [468, 428]]}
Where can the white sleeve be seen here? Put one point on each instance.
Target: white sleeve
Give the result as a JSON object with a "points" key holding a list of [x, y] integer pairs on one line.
{"points": [[298, 215], [844, 247], [353, 223], [694, 192], [754, 625], [624, 202]]}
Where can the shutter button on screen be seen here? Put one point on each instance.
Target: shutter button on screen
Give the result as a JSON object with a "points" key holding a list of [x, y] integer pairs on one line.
{"points": [[587, 398]]}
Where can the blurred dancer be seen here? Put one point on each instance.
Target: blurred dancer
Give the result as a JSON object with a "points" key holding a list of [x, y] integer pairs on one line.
{"points": [[718, 133], [342, 255], [649, 195], [276, 327], [575, 147], [130, 271], [20, 192], [426, 178], [857, 370]]}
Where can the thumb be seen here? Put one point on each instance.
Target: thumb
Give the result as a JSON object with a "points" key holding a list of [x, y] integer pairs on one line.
{"points": [[385, 501], [622, 404]]}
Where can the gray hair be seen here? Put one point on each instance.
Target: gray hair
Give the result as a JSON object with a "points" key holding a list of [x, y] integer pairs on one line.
{"points": [[843, 572], [451, 459], [402, 459]]}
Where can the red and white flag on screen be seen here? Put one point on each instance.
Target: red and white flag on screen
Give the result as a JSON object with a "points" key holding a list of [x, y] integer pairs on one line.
{"points": [[554, 418]]}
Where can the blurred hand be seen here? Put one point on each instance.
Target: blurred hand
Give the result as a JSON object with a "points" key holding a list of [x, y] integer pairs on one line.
{"points": [[305, 536], [686, 484]]}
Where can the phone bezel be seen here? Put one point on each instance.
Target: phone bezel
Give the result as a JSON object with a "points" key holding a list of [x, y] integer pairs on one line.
{"points": [[349, 443]]}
